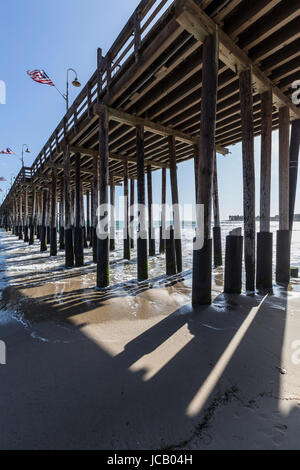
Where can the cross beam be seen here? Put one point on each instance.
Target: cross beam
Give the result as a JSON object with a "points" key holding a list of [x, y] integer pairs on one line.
{"points": [[112, 156], [156, 128], [199, 24]]}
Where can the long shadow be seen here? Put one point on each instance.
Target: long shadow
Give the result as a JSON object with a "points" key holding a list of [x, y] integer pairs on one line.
{"points": [[209, 378]]}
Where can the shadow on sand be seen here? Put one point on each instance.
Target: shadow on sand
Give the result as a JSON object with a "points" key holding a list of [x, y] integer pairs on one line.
{"points": [[195, 379]]}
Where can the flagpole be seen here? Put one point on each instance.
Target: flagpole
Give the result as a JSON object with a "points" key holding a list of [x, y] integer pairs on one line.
{"points": [[64, 97]]}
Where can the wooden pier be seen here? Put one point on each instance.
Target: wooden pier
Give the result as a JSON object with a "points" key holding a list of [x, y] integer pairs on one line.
{"points": [[185, 79]]}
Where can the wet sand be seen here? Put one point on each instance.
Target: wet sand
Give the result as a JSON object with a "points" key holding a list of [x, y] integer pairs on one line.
{"points": [[134, 367]]}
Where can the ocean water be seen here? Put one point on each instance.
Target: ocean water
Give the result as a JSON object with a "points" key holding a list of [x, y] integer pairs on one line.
{"points": [[18, 258], [25, 266]]}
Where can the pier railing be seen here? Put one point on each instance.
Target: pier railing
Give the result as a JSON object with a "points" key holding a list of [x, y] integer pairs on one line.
{"points": [[24, 175], [124, 49]]}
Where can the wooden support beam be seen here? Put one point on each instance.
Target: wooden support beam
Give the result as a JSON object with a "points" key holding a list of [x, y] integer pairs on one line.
{"points": [[266, 154], [126, 239], [294, 163], [113, 156], [26, 236], [284, 142], [69, 250], [175, 203], [119, 158], [151, 229], [217, 236], [264, 274], [202, 258], [103, 239], [198, 23], [32, 217], [61, 167], [43, 234], [78, 232], [88, 216], [283, 234], [38, 214], [196, 168], [83, 217], [62, 215], [247, 15], [48, 214], [248, 176], [112, 244], [156, 128], [162, 238], [21, 222], [142, 257], [131, 215], [53, 223], [94, 197]]}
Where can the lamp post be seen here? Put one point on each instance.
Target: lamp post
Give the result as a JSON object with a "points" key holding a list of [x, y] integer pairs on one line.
{"points": [[26, 151], [75, 83]]}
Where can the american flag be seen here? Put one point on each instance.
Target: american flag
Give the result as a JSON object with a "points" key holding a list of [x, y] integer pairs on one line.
{"points": [[2, 178], [8, 151], [40, 76]]}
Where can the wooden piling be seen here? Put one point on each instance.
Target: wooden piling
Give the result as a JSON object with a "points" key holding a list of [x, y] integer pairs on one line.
{"points": [[112, 242], [131, 215], [196, 168], [43, 234], [20, 218], [83, 219], [264, 277], [62, 216], [175, 202], [103, 240], [94, 193], [217, 236], [283, 234], [69, 251], [48, 210], [246, 99], [233, 264], [266, 156], [32, 223], [126, 239], [171, 267], [72, 210], [78, 233], [26, 235], [39, 215], [14, 217], [88, 217], [202, 258], [53, 221], [294, 163], [142, 257], [151, 229], [162, 238]]}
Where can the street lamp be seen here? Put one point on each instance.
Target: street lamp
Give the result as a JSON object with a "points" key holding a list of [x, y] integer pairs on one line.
{"points": [[26, 151], [75, 83]]}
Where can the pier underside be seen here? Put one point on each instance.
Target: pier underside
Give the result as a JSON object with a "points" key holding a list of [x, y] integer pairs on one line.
{"points": [[156, 85]]}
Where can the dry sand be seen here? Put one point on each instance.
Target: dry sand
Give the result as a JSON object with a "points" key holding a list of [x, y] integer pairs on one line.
{"points": [[136, 368]]}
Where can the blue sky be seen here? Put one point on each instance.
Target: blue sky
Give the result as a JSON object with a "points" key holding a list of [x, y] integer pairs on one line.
{"points": [[66, 33]]}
